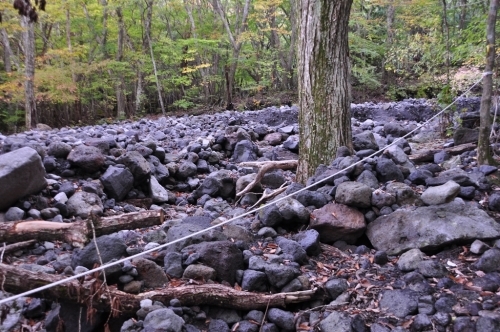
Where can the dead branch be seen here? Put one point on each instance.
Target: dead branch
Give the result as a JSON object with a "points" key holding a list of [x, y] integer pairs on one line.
{"points": [[17, 280], [264, 167], [269, 195], [428, 155], [77, 233]]}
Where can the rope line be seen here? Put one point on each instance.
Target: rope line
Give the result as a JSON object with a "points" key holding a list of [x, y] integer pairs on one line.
{"points": [[105, 266]]}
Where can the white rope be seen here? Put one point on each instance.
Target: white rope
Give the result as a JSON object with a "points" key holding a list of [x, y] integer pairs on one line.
{"points": [[105, 266]]}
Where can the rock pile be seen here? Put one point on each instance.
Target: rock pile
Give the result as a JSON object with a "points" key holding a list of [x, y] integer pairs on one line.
{"points": [[381, 238]]}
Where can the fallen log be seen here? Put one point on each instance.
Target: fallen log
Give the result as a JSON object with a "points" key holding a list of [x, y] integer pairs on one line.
{"points": [[428, 155], [77, 233], [17, 280], [265, 166]]}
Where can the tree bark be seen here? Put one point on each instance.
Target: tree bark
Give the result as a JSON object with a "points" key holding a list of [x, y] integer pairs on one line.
{"points": [[29, 72], [324, 87], [230, 69], [120, 85], [77, 233], [7, 51], [17, 280], [484, 156]]}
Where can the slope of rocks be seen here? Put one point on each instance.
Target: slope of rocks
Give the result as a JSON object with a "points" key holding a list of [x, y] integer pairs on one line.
{"points": [[405, 240]]}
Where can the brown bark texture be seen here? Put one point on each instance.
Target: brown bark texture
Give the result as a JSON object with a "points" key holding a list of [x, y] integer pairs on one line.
{"points": [[484, 156], [17, 280], [324, 87], [77, 233]]}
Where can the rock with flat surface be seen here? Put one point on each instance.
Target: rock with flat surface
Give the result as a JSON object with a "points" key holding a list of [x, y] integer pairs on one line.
{"points": [[21, 174], [431, 227], [441, 194]]}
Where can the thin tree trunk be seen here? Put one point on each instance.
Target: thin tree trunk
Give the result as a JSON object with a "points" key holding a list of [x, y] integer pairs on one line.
{"points": [[104, 36], [29, 72], [158, 85], [120, 86], [7, 51], [230, 70], [462, 23], [324, 87], [484, 156]]}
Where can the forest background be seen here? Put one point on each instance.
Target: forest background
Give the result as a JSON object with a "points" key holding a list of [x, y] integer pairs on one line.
{"points": [[101, 60]]}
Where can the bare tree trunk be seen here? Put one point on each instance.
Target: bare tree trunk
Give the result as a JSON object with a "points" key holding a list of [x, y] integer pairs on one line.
{"points": [[29, 72], [146, 26], [484, 156], [241, 26], [463, 15], [324, 87], [390, 36], [120, 86], [104, 36], [7, 51]]}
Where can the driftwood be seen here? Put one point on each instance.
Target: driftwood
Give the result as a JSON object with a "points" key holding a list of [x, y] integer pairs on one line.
{"points": [[428, 155], [77, 233], [17, 280], [265, 166]]}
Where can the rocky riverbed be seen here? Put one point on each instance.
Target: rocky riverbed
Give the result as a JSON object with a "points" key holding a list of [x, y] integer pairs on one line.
{"points": [[405, 240]]}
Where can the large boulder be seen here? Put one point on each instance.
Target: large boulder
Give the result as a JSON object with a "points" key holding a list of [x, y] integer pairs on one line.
{"points": [[89, 158], [21, 173], [338, 222], [431, 227]]}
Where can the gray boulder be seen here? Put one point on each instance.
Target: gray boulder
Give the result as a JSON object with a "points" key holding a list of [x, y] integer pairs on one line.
{"points": [[292, 211], [365, 140], [353, 194], [220, 183], [292, 248], [150, 273], [244, 150], [14, 213], [90, 159], [279, 275], [158, 193], [199, 271], [223, 256], [255, 281], [441, 194], [400, 303], [117, 182], [110, 247], [309, 240], [59, 149], [336, 322], [83, 204], [186, 229], [285, 320], [464, 135], [21, 174], [367, 177], [431, 227], [404, 194], [137, 164], [387, 170], [186, 169], [163, 320]]}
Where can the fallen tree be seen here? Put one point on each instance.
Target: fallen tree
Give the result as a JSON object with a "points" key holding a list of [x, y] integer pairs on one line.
{"points": [[92, 292], [264, 167], [77, 233]]}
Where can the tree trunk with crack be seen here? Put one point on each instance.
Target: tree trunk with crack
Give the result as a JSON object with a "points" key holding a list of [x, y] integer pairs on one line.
{"points": [[17, 280], [324, 87]]}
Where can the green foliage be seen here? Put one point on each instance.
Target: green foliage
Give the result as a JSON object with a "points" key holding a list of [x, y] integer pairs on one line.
{"points": [[81, 71]]}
